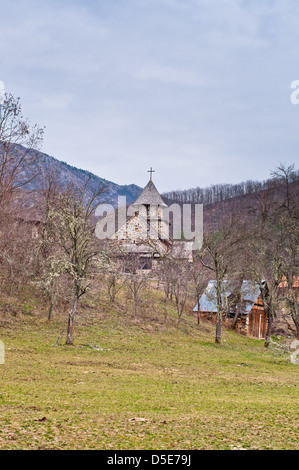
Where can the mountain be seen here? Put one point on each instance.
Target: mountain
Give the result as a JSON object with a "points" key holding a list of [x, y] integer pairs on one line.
{"points": [[66, 174], [242, 206], [233, 198]]}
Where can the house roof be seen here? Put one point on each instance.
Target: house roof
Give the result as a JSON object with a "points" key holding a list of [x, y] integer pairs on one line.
{"points": [[208, 301], [249, 293], [283, 283], [150, 195]]}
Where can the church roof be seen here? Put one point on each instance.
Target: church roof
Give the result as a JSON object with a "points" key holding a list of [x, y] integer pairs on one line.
{"points": [[150, 195]]}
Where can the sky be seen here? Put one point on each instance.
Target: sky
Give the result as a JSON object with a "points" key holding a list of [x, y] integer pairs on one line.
{"points": [[197, 89]]}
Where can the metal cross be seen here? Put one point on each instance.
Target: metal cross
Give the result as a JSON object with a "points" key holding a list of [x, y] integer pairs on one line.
{"points": [[151, 171]]}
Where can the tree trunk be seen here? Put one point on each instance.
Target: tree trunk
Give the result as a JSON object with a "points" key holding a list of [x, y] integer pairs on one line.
{"points": [[112, 289], [50, 310], [293, 307], [219, 309], [70, 325], [296, 322], [269, 330], [136, 299], [237, 314], [218, 328], [198, 310]]}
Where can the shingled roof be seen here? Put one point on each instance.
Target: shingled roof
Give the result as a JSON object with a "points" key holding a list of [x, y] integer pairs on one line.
{"points": [[249, 291], [150, 195]]}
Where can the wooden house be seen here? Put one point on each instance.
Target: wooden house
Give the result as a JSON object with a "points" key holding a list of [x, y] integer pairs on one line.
{"points": [[242, 305]]}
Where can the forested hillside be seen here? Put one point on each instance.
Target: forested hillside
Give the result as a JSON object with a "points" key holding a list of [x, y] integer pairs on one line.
{"points": [[243, 200]]}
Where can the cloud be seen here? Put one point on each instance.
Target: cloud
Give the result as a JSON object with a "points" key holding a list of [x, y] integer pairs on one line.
{"points": [[199, 88], [57, 101], [168, 75]]}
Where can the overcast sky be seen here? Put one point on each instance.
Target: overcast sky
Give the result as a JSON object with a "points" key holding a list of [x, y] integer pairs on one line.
{"points": [[197, 89]]}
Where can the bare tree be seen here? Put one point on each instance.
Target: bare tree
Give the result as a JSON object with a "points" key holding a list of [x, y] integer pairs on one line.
{"points": [[71, 227], [273, 243], [18, 138], [111, 268], [198, 281], [287, 220], [167, 275], [174, 274], [134, 277], [218, 255], [286, 175], [181, 288], [17, 169]]}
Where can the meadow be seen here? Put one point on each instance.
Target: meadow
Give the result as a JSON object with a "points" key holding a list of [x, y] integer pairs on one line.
{"points": [[143, 382]]}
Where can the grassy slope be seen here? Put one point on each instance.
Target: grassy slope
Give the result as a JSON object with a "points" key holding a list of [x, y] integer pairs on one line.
{"points": [[188, 392]]}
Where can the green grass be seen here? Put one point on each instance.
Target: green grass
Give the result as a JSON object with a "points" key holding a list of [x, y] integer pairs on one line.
{"points": [[148, 385]]}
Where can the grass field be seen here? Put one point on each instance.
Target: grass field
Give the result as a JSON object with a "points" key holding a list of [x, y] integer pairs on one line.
{"points": [[141, 384]]}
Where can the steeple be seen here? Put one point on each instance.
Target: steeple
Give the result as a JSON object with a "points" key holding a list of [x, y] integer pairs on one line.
{"points": [[150, 195]]}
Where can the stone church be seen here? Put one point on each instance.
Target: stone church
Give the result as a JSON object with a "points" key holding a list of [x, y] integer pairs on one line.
{"points": [[146, 232]]}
